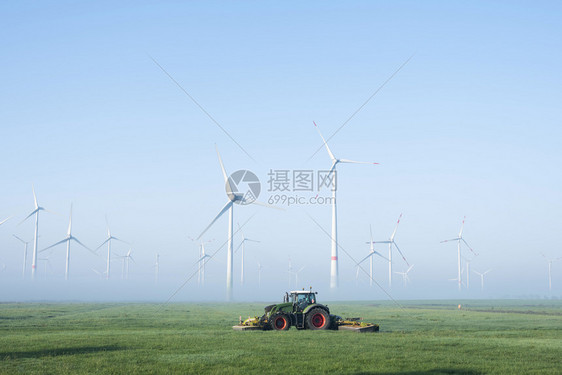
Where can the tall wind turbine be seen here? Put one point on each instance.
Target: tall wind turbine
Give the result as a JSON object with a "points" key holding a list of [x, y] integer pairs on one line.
{"points": [[243, 245], [405, 274], [233, 197], [201, 263], [391, 243], [334, 278], [549, 270], [108, 240], [36, 236], [69, 237], [481, 277], [25, 243], [459, 239], [371, 253]]}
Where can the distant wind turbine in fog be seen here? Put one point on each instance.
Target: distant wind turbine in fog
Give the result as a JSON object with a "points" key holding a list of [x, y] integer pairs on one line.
{"points": [[107, 241], [234, 196], [243, 245], [390, 243], [481, 278], [405, 274], [126, 258], [36, 236], [459, 239], [332, 176], [25, 243], [201, 263], [69, 237], [371, 253], [550, 261]]}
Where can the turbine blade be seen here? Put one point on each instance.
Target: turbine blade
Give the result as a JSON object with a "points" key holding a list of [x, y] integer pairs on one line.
{"points": [[355, 162], [3, 221], [382, 256], [470, 248], [53, 245], [325, 143], [103, 243], [452, 239], [462, 226], [371, 233], [403, 257], [238, 247], [120, 240], [34, 197], [28, 216], [395, 228], [84, 246], [267, 205], [70, 221], [222, 167], [249, 239], [364, 259], [222, 211], [19, 239]]}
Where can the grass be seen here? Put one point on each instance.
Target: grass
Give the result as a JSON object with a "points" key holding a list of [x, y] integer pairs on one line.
{"points": [[496, 337]]}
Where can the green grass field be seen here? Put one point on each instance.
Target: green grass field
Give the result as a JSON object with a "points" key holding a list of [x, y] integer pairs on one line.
{"points": [[508, 337]]}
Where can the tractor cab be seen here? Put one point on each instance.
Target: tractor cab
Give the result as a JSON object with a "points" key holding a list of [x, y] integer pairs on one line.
{"points": [[301, 299]]}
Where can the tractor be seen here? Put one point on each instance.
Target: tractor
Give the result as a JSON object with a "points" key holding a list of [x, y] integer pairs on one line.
{"points": [[300, 309]]}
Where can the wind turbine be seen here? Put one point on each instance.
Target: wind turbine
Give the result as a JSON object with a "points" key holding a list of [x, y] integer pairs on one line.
{"points": [[108, 240], [390, 243], [233, 197], [459, 239], [481, 277], [69, 237], [297, 276], [405, 274], [334, 278], [126, 258], [243, 245], [25, 243], [371, 253], [201, 262], [549, 270], [36, 237]]}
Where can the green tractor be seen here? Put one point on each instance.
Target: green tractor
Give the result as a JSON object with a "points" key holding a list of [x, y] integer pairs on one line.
{"points": [[300, 309]]}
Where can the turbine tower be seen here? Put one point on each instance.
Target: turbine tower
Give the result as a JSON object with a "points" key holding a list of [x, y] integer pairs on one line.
{"points": [[459, 239], [69, 237], [233, 197], [108, 240], [36, 236], [371, 253], [243, 245], [334, 278], [549, 270], [405, 274], [25, 243], [390, 243], [481, 277]]}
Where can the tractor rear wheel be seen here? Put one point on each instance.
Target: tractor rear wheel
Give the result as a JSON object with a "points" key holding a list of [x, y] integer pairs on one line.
{"points": [[318, 319], [280, 322]]}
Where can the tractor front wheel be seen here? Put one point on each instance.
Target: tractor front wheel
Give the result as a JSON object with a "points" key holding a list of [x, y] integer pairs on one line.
{"points": [[318, 319], [280, 322]]}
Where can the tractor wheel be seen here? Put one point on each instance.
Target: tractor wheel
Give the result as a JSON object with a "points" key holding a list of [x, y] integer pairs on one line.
{"points": [[318, 319], [280, 322]]}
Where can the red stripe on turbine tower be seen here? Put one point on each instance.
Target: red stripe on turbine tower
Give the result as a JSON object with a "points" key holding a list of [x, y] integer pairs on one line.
{"points": [[334, 258]]}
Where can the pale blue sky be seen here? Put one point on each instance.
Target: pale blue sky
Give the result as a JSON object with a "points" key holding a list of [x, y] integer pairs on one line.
{"points": [[470, 126]]}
